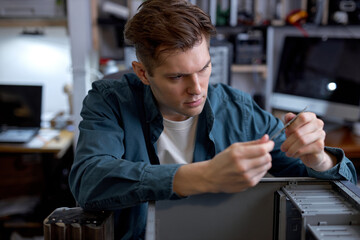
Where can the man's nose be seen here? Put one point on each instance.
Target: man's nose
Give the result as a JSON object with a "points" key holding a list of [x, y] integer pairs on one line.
{"points": [[194, 87]]}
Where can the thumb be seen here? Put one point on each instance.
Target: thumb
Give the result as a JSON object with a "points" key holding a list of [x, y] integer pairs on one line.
{"points": [[288, 117], [263, 139]]}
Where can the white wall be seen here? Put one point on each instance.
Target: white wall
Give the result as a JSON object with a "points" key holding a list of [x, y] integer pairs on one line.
{"points": [[44, 59]]}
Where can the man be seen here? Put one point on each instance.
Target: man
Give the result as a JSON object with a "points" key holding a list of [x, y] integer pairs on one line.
{"points": [[165, 133]]}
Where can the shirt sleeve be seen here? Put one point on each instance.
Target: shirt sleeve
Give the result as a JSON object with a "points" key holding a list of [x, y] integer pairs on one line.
{"points": [[343, 170], [101, 177]]}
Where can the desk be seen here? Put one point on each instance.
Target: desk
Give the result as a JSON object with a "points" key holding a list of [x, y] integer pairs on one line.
{"points": [[345, 139], [36, 170], [23, 167], [57, 146]]}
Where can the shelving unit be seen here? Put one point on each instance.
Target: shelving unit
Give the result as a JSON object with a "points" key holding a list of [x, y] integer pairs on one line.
{"points": [[240, 68], [33, 22]]}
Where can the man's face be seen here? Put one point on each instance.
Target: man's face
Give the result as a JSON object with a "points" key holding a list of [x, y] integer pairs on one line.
{"points": [[180, 84]]}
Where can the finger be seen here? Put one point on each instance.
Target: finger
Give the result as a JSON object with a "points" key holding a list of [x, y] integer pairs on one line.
{"points": [[254, 175], [263, 173], [305, 144], [314, 146], [248, 179], [249, 167], [263, 139], [315, 126], [242, 151], [289, 116], [312, 149], [246, 175], [293, 137], [260, 169], [303, 119]]}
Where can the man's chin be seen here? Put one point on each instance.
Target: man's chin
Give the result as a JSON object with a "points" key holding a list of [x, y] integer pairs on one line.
{"points": [[195, 111]]}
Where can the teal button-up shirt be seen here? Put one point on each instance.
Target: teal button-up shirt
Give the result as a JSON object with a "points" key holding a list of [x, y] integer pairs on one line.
{"points": [[116, 166]]}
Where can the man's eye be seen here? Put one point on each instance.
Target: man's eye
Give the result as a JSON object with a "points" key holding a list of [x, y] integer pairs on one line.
{"points": [[176, 77], [204, 69]]}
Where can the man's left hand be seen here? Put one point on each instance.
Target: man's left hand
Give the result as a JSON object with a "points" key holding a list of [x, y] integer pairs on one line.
{"points": [[306, 140]]}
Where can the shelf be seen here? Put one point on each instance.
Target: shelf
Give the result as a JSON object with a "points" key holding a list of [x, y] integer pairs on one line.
{"points": [[33, 22], [227, 30], [238, 68]]}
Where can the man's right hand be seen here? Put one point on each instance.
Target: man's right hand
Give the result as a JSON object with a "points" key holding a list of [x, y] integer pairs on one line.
{"points": [[240, 166]]}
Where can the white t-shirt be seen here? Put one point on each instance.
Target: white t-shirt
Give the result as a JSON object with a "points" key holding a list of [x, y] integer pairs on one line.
{"points": [[176, 143]]}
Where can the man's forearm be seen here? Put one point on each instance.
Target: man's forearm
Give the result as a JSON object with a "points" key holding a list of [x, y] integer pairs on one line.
{"points": [[189, 179]]}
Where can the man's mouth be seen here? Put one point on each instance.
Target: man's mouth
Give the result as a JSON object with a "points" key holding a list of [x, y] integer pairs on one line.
{"points": [[194, 103]]}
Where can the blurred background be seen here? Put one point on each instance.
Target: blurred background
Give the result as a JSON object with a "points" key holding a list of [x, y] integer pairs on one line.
{"points": [[64, 46]]}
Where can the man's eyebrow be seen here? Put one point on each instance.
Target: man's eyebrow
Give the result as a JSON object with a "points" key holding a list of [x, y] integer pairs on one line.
{"points": [[206, 65], [184, 74]]}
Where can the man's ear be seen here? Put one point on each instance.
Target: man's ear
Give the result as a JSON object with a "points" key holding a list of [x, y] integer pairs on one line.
{"points": [[140, 71]]}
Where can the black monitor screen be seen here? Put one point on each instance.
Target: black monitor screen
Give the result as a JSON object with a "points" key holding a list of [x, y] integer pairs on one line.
{"points": [[320, 68], [20, 105]]}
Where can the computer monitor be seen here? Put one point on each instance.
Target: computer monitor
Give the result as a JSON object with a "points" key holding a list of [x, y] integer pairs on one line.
{"points": [[20, 105], [322, 73]]}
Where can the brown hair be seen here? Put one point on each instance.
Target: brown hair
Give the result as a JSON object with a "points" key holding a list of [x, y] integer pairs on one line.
{"points": [[169, 24]]}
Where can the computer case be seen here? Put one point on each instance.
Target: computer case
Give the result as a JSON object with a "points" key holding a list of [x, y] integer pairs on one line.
{"points": [[277, 208]]}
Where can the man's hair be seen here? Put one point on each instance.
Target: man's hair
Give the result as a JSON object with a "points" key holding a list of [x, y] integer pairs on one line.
{"points": [[169, 24]]}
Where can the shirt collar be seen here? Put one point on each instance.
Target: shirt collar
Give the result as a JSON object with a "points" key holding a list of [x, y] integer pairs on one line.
{"points": [[208, 114], [151, 109]]}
